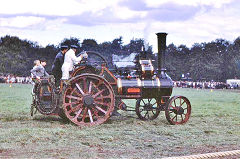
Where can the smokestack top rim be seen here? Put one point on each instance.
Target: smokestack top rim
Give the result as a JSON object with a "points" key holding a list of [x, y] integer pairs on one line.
{"points": [[161, 33]]}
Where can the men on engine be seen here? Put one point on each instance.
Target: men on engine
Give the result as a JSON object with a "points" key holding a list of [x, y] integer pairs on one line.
{"points": [[69, 60], [57, 64]]}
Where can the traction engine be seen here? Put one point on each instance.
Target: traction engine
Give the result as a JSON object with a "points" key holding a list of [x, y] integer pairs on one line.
{"points": [[94, 91]]}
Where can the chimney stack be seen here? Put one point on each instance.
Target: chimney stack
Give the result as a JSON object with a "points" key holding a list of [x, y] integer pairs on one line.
{"points": [[161, 49]]}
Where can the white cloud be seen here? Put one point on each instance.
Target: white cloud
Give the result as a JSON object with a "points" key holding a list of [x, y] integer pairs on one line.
{"points": [[49, 21], [43, 7], [54, 7], [215, 3], [126, 13], [21, 21]]}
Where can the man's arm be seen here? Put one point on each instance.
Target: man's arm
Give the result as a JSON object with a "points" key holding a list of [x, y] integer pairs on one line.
{"points": [[45, 73], [75, 58]]}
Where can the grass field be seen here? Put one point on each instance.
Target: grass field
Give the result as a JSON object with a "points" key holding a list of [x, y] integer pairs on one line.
{"points": [[213, 126]]}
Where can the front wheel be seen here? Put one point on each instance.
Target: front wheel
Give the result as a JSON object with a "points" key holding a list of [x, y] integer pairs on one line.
{"points": [[147, 109], [178, 110]]}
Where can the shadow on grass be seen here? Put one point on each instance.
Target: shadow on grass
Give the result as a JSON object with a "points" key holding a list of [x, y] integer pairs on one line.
{"points": [[51, 119]]}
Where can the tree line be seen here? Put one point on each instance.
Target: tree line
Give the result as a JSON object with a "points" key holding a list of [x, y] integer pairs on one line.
{"points": [[217, 60]]}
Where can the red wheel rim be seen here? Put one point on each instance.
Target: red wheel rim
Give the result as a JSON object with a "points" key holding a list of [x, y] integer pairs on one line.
{"points": [[89, 100], [178, 110]]}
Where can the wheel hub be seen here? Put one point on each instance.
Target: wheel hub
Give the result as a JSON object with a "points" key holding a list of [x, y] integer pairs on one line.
{"points": [[148, 107], [180, 111], [88, 100]]}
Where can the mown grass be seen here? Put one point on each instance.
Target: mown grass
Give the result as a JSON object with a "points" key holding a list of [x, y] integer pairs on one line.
{"points": [[213, 126]]}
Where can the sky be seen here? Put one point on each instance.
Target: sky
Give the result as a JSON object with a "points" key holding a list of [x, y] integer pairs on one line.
{"points": [[186, 21]]}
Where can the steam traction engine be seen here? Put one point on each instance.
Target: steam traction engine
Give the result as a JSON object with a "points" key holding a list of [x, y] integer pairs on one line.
{"points": [[92, 92]]}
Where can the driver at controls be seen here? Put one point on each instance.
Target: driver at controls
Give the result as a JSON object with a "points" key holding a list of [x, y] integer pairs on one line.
{"points": [[69, 60]]}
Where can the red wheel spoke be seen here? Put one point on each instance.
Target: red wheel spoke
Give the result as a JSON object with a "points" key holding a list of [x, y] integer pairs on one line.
{"points": [[66, 104], [99, 83], [175, 103], [84, 85], [90, 115], [95, 86], [96, 113], [101, 109], [98, 93], [73, 97], [99, 99], [77, 115], [84, 114], [153, 112], [101, 103], [90, 87], [144, 102], [174, 117], [173, 107], [146, 114], [75, 91], [104, 97], [182, 117], [183, 103], [74, 109], [80, 89]]}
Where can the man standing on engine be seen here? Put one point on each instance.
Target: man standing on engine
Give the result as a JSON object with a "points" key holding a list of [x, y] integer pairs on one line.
{"points": [[69, 60], [57, 64]]}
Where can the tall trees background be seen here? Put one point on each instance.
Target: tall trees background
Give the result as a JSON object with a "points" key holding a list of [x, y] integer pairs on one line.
{"points": [[217, 60]]}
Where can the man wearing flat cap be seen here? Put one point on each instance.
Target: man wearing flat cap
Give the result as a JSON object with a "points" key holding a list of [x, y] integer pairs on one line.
{"points": [[57, 64], [69, 60]]}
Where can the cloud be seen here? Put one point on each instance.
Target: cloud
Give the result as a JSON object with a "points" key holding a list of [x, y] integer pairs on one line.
{"points": [[173, 12], [21, 21], [93, 12], [204, 19], [136, 5], [104, 17]]}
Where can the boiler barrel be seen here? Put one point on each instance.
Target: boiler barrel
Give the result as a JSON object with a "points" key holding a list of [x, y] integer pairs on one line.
{"points": [[145, 88]]}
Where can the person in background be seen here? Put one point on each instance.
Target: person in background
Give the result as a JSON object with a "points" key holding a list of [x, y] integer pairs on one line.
{"points": [[57, 65]]}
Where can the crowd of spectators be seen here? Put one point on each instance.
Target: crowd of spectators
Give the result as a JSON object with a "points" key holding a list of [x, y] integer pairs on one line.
{"points": [[183, 84], [15, 79], [203, 85]]}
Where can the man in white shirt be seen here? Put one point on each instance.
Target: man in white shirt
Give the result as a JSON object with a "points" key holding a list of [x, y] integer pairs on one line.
{"points": [[69, 60]]}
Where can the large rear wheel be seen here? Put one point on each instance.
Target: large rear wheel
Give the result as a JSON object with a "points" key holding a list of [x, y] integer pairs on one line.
{"points": [[88, 100]]}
